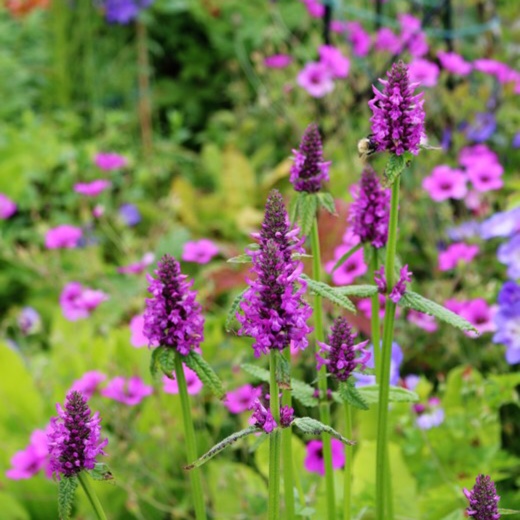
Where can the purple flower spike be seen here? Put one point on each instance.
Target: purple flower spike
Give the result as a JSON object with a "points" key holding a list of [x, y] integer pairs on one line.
{"points": [[286, 416], [398, 114], [172, 317], [309, 170], [483, 499], [74, 440], [399, 288], [370, 210], [262, 417], [340, 352]]}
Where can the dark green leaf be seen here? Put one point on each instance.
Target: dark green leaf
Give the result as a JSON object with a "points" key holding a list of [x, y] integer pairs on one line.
{"points": [[307, 208], [231, 315], [346, 256], [101, 472], [350, 394], [66, 488], [240, 259], [370, 394], [166, 358], [228, 441], [154, 361], [326, 201], [294, 208], [206, 374], [258, 372], [394, 168], [361, 291], [415, 301], [326, 291], [311, 426]]}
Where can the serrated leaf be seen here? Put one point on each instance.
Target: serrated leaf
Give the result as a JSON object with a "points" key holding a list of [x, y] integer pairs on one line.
{"points": [[412, 300], [361, 291], [283, 371], [326, 201], [231, 315], [240, 259], [66, 489], [346, 256], [311, 426], [370, 393], [350, 394], [258, 372], [222, 445], [154, 360], [294, 207], [307, 208], [206, 374], [393, 169], [166, 359], [101, 472], [503, 511], [326, 291]]}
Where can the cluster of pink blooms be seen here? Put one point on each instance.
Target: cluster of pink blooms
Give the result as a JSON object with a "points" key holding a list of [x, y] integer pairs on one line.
{"points": [[92, 189], [242, 399], [353, 267], [139, 266], [199, 251], [7, 207], [421, 320], [314, 461], [78, 302], [110, 161], [64, 236], [476, 311], [30, 461], [456, 254]]}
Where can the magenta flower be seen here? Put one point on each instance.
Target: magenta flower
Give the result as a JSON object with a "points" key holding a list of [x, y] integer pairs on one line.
{"points": [[445, 183], [359, 39], [193, 383], [399, 288], [387, 40], [28, 462], [314, 459], [63, 236], [337, 64], [479, 314], [485, 177], [398, 114], [75, 437], [455, 254], [479, 153], [7, 207], [137, 267], [77, 302], [110, 161], [262, 417], [137, 337], [88, 383], [483, 499], [502, 72], [429, 416], [454, 63], [309, 170], [242, 399], [316, 79], [365, 306], [92, 189], [412, 36], [127, 391], [172, 317], [423, 321], [354, 266], [423, 72], [315, 8], [278, 61], [200, 251]]}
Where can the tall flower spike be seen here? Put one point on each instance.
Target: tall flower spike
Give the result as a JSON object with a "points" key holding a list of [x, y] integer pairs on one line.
{"points": [[398, 114], [483, 499], [369, 213], [309, 170], [74, 438], [340, 353], [172, 317]]}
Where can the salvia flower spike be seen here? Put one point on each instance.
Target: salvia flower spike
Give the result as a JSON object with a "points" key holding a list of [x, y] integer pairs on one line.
{"points": [[398, 114], [483, 500]]}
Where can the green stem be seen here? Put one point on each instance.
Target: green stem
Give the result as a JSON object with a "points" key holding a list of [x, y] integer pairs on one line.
{"points": [[91, 495], [288, 478], [347, 476], [191, 443], [322, 375], [375, 322], [274, 444], [382, 463]]}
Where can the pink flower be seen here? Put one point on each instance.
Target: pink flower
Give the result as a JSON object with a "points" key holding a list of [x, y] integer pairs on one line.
{"points": [[137, 267], [412, 36], [387, 40], [454, 305], [77, 302], [423, 321], [365, 306], [455, 253], [315, 8], [28, 462], [278, 61], [110, 161], [316, 79], [130, 392], [137, 337], [199, 251], [337, 64], [242, 398], [64, 236], [7, 207], [314, 460], [92, 189], [486, 176], [193, 383], [454, 63], [354, 266], [98, 211], [474, 155], [479, 314], [88, 383], [445, 183], [502, 72], [359, 39], [424, 72]]}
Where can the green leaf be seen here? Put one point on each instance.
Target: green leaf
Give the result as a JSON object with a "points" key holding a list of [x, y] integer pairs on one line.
{"points": [[101, 472], [206, 374], [346, 256], [222, 445], [154, 361], [412, 300], [370, 394], [66, 488], [394, 168], [294, 208], [350, 394], [326, 291], [240, 259], [361, 291], [311, 426], [307, 208], [326, 201], [258, 372], [166, 358], [231, 315], [508, 511]]}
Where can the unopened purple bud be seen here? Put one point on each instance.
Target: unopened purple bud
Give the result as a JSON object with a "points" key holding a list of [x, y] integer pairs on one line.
{"points": [[262, 417], [483, 499], [286, 416]]}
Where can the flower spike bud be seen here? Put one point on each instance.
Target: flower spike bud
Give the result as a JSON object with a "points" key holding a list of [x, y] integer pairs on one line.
{"points": [[483, 500]]}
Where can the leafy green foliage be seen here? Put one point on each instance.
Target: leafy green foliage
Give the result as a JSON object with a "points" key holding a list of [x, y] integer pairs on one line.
{"points": [[206, 374], [350, 394], [305, 211], [240, 259], [326, 291], [310, 426], [233, 309], [326, 201], [361, 291], [101, 471], [66, 490], [370, 393]]}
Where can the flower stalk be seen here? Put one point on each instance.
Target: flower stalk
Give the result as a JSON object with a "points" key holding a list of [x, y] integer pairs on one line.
{"points": [[91, 495], [288, 476], [347, 475], [375, 323], [274, 443]]}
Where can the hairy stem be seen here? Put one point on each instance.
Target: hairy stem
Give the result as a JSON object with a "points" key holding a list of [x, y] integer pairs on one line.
{"points": [[91, 495], [288, 477], [347, 476], [274, 444]]}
